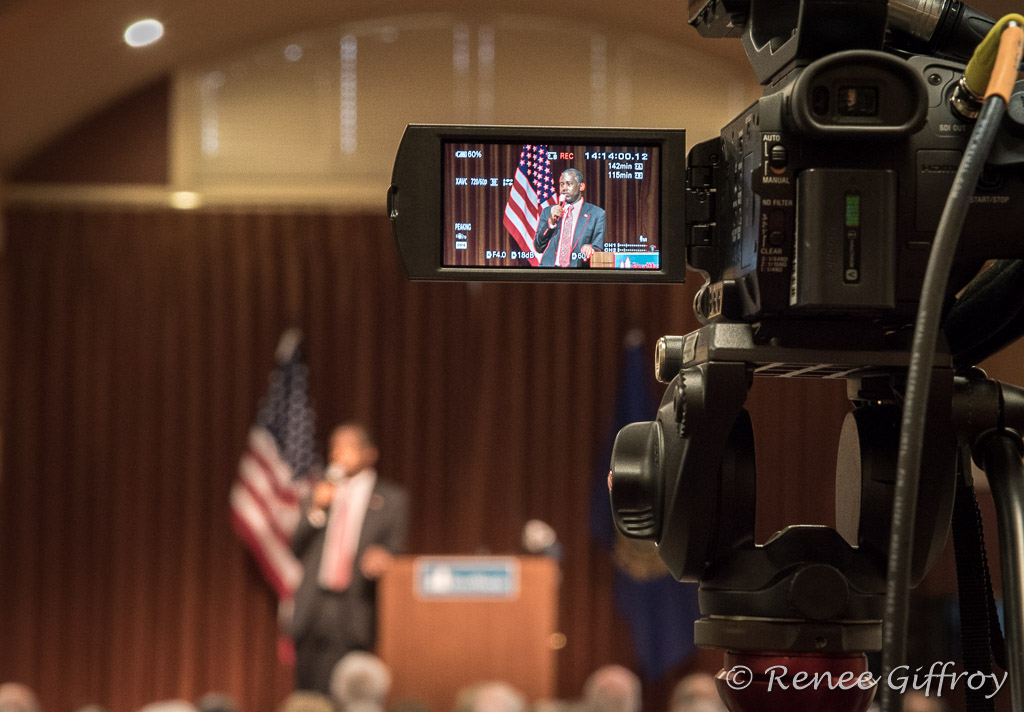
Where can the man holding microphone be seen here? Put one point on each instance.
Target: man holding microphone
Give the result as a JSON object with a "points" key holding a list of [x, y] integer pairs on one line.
{"points": [[347, 535], [571, 231]]}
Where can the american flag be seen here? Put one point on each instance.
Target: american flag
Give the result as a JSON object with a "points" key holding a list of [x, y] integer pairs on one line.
{"points": [[532, 191], [273, 472]]}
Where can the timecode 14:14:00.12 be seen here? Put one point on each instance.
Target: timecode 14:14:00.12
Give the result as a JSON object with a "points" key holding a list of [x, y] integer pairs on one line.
{"points": [[616, 156]]}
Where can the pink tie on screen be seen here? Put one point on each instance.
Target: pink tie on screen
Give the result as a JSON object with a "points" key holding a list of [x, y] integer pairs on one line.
{"points": [[336, 566], [564, 239]]}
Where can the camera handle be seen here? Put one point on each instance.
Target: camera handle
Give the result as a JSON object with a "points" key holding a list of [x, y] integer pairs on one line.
{"points": [[990, 417], [806, 596]]}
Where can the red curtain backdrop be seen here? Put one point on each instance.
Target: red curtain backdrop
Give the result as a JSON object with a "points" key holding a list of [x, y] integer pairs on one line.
{"points": [[140, 344]]}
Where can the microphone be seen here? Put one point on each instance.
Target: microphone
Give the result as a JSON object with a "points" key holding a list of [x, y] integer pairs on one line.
{"points": [[541, 540], [334, 474], [552, 220]]}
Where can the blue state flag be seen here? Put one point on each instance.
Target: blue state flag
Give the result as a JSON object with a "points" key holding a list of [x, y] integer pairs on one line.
{"points": [[659, 610]]}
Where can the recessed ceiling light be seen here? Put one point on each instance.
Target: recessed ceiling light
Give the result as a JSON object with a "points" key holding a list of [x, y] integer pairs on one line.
{"points": [[143, 32]]}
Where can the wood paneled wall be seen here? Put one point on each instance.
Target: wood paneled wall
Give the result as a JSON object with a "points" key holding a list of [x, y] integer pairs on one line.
{"points": [[141, 342]]}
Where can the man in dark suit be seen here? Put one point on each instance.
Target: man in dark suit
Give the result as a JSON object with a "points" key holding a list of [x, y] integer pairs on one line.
{"points": [[569, 232], [347, 535]]}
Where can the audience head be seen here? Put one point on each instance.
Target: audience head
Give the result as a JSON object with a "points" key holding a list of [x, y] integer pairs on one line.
{"points": [[917, 702], [15, 697], [360, 680], [490, 697], [169, 706], [553, 705], [696, 693], [216, 702], [303, 701], [410, 704], [612, 688]]}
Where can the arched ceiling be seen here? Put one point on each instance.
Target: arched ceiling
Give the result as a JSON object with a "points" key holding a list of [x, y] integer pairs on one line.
{"points": [[62, 60]]}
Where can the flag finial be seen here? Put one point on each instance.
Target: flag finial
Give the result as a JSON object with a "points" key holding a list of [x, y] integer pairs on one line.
{"points": [[287, 344]]}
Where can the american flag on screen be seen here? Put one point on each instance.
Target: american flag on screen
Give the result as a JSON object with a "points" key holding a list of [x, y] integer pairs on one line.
{"points": [[272, 474], [532, 190]]}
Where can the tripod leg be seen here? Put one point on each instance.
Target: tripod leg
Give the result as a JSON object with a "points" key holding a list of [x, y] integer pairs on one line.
{"points": [[1000, 457]]}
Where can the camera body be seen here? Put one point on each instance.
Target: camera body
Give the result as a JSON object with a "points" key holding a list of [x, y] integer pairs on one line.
{"points": [[822, 199]]}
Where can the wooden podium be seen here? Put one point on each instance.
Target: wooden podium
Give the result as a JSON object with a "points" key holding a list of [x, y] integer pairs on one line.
{"points": [[445, 622]]}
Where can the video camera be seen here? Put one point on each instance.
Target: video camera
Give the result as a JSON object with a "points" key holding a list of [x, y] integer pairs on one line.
{"points": [[812, 218], [821, 200]]}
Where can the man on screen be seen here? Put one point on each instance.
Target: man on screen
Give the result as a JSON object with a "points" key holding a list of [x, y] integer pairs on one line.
{"points": [[569, 232]]}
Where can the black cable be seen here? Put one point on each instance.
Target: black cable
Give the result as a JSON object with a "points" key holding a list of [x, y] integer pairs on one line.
{"points": [[919, 374]]}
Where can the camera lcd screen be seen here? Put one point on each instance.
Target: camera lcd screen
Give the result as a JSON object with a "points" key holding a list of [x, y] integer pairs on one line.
{"points": [[540, 204], [551, 205]]}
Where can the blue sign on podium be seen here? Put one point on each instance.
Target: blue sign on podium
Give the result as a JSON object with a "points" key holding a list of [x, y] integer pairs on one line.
{"points": [[467, 577]]}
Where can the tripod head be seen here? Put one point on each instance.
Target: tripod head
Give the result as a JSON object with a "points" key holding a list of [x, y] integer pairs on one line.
{"points": [[687, 480]]}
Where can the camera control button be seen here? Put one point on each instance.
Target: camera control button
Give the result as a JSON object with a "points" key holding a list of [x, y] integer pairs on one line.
{"points": [[636, 480], [668, 358], [776, 227], [778, 158]]}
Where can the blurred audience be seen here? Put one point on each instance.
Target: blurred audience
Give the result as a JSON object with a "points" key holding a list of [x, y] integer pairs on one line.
{"points": [[696, 693], [490, 697], [360, 682], [410, 705], [917, 702], [15, 697], [169, 706], [553, 705], [216, 702], [612, 688], [307, 702]]}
